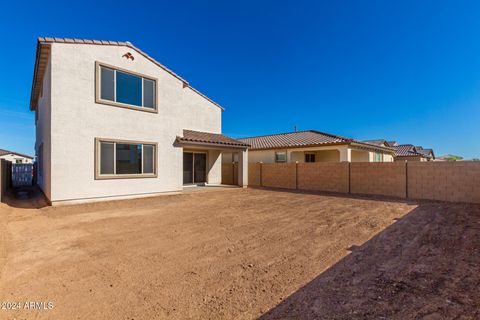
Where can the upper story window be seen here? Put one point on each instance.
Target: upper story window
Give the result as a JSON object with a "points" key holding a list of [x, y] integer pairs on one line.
{"points": [[126, 89]]}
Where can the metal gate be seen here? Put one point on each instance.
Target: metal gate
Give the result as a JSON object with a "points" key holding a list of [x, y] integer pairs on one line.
{"points": [[22, 175]]}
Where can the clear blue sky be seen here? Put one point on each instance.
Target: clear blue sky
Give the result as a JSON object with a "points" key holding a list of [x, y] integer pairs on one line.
{"points": [[402, 70]]}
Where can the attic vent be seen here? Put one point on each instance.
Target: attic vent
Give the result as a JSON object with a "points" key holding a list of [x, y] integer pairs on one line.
{"points": [[128, 56]]}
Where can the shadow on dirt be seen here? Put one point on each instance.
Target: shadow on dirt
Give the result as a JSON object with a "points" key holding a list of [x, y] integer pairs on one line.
{"points": [[27, 197], [424, 266]]}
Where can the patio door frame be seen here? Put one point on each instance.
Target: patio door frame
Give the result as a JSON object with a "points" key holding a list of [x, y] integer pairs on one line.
{"points": [[193, 167]]}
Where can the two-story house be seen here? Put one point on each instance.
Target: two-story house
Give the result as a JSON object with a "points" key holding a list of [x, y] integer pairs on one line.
{"points": [[112, 122]]}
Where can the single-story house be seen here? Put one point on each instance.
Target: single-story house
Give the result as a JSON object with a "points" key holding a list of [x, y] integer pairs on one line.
{"points": [[312, 146], [15, 157], [428, 153], [408, 152], [113, 122]]}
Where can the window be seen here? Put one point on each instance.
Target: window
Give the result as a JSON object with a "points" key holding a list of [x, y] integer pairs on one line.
{"points": [[378, 157], [280, 156], [309, 157], [118, 159], [125, 89]]}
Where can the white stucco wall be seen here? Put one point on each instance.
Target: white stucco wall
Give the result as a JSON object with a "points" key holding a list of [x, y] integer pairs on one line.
{"points": [[387, 157], [77, 120], [43, 133], [214, 167], [265, 156], [322, 154], [361, 156]]}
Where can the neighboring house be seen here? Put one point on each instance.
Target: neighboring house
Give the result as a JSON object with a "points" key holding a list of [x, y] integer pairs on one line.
{"points": [[392, 143], [313, 146], [113, 122], [408, 152], [15, 157], [449, 157], [427, 153]]}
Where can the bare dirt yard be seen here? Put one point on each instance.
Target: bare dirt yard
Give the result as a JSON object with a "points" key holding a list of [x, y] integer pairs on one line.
{"points": [[242, 254]]}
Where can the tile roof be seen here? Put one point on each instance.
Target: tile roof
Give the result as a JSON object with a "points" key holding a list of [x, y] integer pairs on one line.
{"points": [[40, 60], [378, 142], [294, 139], [426, 152], [298, 139], [209, 138], [392, 143], [406, 150], [5, 152]]}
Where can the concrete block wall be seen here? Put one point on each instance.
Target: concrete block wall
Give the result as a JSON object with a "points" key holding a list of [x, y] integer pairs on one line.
{"points": [[279, 175], [323, 176], [254, 174], [379, 178], [5, 177], [445, 181]]}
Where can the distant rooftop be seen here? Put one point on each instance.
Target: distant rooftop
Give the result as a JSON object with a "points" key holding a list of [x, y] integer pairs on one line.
{"points": [[5, 152], [307, 138]]}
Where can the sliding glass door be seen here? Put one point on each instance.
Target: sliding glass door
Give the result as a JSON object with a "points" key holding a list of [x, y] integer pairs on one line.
{"points": [[194, 167]]}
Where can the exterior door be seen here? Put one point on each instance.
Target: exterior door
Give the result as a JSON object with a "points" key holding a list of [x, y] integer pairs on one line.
{"points": [[194, 167], [200, 167]]}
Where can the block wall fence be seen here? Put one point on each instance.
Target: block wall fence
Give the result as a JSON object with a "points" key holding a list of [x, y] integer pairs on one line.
{"points": [[444, 181], [5, 177]]}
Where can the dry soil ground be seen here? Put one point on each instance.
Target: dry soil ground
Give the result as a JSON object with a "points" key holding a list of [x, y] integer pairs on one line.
{"points": [[242, 254]]}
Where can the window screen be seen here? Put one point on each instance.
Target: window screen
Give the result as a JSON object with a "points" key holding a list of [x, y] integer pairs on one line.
{"points": [[107, 84], [107, 158], [280, 156]]}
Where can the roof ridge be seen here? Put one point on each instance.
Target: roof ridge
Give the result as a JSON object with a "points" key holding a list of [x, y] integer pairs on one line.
{"points": [[333, 135], [292, 132], [17, 153]]}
